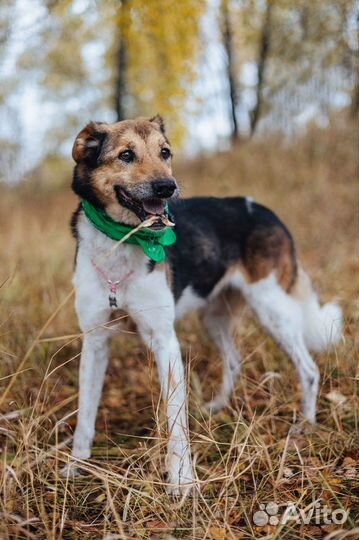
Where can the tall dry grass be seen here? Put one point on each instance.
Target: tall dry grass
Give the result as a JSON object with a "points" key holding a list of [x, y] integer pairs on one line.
{"points": [[246, 455]]}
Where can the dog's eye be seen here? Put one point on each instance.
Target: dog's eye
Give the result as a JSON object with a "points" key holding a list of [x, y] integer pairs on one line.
{"points": [[165, 153], [127, 156]]}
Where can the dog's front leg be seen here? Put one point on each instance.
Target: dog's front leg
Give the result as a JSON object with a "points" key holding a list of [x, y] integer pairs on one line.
{"points": [[93, 363], [93, 314], [173, 387], [156, 327]]}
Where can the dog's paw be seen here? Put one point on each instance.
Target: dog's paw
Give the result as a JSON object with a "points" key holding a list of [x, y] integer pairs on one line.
{"points": [[71, 470], [180, 487], [216, 404], [180, 477]]}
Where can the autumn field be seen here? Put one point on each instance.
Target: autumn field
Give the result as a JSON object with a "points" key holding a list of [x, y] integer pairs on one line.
{"points": [[246, 456]]}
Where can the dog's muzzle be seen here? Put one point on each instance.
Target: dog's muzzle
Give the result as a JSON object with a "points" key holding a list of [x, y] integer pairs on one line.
{"points": [[149, 199], [164, 188]]}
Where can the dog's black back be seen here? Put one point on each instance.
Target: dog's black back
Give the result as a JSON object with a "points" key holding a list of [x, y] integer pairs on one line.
{"points": [[215, 233]]}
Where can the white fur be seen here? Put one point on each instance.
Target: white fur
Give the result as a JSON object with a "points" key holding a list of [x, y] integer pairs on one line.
{"points": [[322, 324], [188, 301], [149, 301], [294, 323], [282, 316], [249, 204], [220, 326]]}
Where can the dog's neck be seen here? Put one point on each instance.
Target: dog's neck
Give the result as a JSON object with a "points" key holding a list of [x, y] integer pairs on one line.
{"points": [[107, 253], [152, 242]]}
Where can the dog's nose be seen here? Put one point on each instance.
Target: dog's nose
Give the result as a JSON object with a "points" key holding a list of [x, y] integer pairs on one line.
{"points": [[164, 188]]}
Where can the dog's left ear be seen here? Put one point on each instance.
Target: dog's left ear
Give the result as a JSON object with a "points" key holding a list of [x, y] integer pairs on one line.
{"points": [[158, 120], [88, 143]]}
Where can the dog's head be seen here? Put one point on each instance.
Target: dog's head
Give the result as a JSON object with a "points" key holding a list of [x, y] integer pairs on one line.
{"points": [[125, 168]]}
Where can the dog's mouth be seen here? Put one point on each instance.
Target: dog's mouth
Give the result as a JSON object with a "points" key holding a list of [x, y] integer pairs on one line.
{"points": [[146, 209]]}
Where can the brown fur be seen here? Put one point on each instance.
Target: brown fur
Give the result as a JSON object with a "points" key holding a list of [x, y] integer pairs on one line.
{"points": [[145, 137], [268, 251]]}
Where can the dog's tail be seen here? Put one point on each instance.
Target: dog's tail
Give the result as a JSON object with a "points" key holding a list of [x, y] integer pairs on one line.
{"points": [[322, 325]]}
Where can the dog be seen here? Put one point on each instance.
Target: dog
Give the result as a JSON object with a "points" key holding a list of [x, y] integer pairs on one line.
{"points": [[205, 254]]}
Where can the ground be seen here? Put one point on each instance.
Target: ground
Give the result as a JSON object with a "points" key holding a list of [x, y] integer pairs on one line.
{"points": [[246, 456]]}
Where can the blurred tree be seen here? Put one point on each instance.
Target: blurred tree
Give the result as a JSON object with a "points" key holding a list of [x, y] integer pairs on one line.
{"points": [[232, 80], [303, 53], [120, 62], [156, 59], [263, 56], [308, 61], [125, 57]]}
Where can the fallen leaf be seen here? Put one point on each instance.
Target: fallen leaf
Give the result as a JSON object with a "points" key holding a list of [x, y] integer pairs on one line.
{"points": [[217, 533], [350, 462], [335, 481], [336, 397], [156, 524], [310, 531]]}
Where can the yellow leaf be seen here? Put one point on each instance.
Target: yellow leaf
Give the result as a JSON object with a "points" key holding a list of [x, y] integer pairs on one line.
{"points": [[335, 481], [100, 498], [217, 533]]}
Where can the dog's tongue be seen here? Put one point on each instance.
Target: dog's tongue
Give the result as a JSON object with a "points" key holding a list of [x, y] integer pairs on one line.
{"points": [[154, 206]]}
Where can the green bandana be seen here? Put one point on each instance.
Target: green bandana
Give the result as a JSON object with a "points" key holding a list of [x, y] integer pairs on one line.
{"points": [[151, 242]]}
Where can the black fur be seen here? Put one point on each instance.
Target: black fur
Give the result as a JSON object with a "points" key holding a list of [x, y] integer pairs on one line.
{"points": [[73, 226], [151, 265], [94, 143], [73, 222], [87, 160], [211, 234], [82, 186]]}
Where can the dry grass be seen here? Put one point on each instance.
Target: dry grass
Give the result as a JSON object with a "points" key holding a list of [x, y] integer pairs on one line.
{"points": [[244, 456]]}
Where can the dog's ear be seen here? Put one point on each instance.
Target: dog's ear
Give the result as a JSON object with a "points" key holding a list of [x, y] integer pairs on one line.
{"points": [[158, 120], [89, 142]]}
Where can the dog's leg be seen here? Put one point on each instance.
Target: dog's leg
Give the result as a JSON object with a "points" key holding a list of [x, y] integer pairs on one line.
{"points": [[281, 316], [93, 363], [92, 314], [156, 326], [219, 319]]}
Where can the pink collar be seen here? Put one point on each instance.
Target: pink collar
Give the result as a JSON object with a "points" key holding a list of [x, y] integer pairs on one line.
{"points": [[114, 285]]}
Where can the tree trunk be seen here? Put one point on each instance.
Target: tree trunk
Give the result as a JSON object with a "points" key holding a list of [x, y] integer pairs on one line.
{"points": [[354, 109], [264, 47], [227, 36], [120, 80]]}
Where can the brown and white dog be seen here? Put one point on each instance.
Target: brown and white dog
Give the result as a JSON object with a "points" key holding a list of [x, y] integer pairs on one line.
{"points": [[227, 250]]}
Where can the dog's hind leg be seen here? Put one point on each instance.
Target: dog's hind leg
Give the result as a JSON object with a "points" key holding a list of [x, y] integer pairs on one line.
{"points": [[220, 318], [282, 316]]}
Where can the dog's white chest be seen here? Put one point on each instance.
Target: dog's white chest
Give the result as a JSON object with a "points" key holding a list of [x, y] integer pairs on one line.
{"points": [[105, 271]]}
